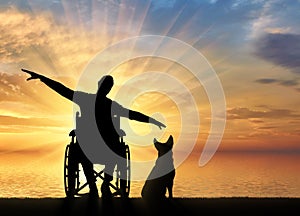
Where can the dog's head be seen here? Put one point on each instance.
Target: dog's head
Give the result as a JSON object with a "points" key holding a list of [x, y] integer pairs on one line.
{"points": [[163, 148]]}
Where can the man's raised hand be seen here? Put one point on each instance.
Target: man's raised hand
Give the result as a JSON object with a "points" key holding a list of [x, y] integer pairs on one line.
{"points": [[157, 123], [32, 74], [160, 125]]}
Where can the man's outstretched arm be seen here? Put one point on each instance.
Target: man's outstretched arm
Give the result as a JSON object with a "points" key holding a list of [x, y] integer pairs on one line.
{"points": [[134, 115], [56, 86]]}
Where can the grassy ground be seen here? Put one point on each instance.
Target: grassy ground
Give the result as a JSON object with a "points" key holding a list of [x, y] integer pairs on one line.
{"points": [[136, 206]]}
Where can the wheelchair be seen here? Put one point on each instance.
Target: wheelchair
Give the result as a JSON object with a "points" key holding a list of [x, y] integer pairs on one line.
{"points": [[74, 181]]}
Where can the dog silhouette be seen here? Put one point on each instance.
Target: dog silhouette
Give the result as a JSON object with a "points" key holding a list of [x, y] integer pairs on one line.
{"points": [[156, 185]]}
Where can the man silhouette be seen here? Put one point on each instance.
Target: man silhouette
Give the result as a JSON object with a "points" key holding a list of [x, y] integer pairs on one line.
{"points": [[107, 113]]}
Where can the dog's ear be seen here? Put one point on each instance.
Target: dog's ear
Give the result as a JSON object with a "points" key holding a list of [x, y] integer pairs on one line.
{"points": [[156, 144], [170, 141]]}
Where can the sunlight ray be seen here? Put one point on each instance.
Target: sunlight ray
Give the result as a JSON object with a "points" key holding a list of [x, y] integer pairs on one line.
{"points": [[117, 19], [142, 19], [166, 31], [173, 21], [71, 13], [100, 18], [183, 31], [122, 18], [125, 18]]}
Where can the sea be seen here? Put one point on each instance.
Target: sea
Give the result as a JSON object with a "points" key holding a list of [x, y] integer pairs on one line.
{"points": [[225, 175]]}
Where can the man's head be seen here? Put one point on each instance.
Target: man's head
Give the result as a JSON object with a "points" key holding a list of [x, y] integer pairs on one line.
{"points": [[105, 84]]}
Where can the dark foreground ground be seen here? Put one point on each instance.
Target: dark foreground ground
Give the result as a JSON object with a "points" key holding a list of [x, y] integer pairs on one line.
{"points": [[137, 206]]}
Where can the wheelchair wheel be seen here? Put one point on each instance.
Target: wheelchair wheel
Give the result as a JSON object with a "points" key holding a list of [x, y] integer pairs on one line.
{"points": [[123, 185], [71, 172], [127, 181]]}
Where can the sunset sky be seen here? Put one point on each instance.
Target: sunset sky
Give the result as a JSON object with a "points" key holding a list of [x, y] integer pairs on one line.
{"points": [[252, 46]]}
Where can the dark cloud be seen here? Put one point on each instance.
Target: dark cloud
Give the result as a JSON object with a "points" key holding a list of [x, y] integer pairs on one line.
{"points": [[266, 80], [287, 83], [280, 49], [246, 113]]}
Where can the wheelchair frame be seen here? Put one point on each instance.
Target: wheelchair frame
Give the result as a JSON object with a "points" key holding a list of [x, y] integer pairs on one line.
{"points": [[73, 177]]}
